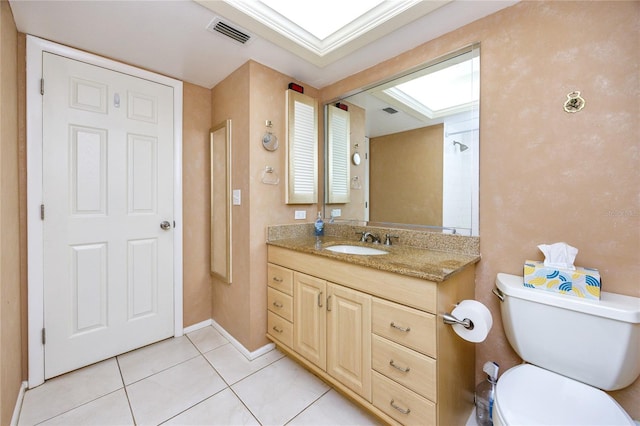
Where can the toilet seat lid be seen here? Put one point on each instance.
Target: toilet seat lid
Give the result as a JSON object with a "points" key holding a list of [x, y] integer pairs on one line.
{"points": [[530, 395]]}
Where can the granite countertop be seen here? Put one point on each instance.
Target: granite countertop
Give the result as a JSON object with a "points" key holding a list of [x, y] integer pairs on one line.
{"points": [[428, 264]]}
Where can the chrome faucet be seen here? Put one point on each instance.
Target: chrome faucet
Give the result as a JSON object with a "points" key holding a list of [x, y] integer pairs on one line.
{"points": [[374, 238], [388, 237]]}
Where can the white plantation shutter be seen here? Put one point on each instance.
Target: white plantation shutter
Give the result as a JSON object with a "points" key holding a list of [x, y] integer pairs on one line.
{"points": [[302, 149], [338, 131]]}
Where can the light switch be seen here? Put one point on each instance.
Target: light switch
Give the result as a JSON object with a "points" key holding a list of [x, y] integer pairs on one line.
{"points": [[237, 196], [336, 212], [301, 214]]}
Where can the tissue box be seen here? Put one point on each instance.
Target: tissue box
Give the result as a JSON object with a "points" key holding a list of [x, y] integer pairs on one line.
{"points": [[583, 282]]}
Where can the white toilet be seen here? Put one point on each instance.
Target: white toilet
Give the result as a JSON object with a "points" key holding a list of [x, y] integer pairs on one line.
{"points": [[572, 349]]}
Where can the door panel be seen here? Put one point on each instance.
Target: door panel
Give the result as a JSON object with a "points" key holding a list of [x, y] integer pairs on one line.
{"points": [[309, 318], [107, 186], [349, 338]]}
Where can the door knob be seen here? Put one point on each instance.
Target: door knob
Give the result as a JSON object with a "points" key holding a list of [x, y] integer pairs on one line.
{"points": [[165, 225]]}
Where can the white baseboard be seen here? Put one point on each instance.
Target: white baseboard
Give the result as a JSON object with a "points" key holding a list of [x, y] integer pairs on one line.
{"points": [[16, 410], [244, 351], [197, 326]]}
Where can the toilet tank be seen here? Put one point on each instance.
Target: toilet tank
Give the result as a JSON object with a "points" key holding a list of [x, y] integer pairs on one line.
{"points": [[594, 342]]}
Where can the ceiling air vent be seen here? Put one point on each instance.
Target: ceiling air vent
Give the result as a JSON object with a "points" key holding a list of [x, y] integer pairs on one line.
{"points": [[218, 26], [390, 110]]}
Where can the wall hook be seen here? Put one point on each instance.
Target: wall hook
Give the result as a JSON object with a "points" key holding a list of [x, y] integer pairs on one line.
{"points": [[269, 176]]}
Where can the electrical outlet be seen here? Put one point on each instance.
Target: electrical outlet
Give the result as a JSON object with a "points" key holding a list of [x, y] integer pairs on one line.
{"points": [[237, 197], [336, 213], [300, 214]]}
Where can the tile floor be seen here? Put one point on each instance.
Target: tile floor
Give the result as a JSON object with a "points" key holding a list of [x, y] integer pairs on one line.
{"points": [[197, 379]]}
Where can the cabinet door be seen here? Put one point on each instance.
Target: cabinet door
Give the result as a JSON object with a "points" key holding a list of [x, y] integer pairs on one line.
{"points": [[349, 338], [309, 318]]}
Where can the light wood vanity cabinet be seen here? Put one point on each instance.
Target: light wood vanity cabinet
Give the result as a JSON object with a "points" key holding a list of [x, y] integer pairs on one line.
{"points": [[310, 318], [332, 329], [280, 304], [376, 336]]}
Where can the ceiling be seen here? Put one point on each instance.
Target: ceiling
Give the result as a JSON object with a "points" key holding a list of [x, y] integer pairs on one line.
{"points": [[171, 36]]}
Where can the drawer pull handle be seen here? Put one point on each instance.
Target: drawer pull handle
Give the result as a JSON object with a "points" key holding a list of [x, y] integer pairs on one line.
{"points": [[320, 300], [277, 329], [402, 410], [277, 279], [397, 327], [397, 367], [277, 304]]}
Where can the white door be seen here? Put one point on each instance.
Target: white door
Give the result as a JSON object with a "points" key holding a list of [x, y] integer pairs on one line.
{"points": [[107, 187]]}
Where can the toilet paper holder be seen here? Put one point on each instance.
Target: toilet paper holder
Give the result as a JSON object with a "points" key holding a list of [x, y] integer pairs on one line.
{"points": [[450, 319]]}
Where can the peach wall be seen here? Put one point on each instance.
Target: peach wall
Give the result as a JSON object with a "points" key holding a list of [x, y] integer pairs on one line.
{"points": [[395, 160], [10, 309], [230, 308], [267, 102], [195, 192], [249, 96], [546, 175]]}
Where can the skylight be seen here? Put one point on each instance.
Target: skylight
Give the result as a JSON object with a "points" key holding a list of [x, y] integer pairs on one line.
{"points": [[322, 31], [322, 18]]}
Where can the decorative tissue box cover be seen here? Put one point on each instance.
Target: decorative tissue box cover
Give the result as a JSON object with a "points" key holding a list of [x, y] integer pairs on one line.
{"points": [[583, 282]]}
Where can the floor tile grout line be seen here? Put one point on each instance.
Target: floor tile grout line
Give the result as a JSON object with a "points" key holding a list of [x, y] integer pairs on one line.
{"points": [[75, 407], [162, 370], [245, 406], [230, 385], [192, 406], [309, 406], [81, 404], [126, 393]]}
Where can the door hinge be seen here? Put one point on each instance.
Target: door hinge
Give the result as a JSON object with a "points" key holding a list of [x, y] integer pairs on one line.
{"points": [[41, 211], [44, 337], [42, 86]]}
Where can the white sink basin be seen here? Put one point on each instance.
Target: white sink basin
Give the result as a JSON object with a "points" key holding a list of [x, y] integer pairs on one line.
{"points": [[349, 249]]}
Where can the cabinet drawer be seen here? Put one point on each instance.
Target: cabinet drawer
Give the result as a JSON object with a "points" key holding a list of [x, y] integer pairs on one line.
{"points": [[280, 278], [409, 327], [280, 328], [280, 303], [407, 367], [403, 405]]}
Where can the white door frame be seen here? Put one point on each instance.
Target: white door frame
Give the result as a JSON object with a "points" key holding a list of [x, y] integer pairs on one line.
{"points": [[35, 291]]}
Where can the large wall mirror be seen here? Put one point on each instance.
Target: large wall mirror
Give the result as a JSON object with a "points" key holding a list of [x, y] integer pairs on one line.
{"points": [[417, 136]]}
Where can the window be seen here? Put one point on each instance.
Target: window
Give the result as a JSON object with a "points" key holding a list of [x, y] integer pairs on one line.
{"points": [[338, 143]]}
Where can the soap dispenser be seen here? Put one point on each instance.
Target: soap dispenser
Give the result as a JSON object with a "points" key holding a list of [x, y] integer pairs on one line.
{"points": [[319, 226], [485, 393]]}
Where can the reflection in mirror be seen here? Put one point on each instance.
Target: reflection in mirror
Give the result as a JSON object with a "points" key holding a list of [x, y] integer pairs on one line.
{"points": [[338, 136], [419, 134]]}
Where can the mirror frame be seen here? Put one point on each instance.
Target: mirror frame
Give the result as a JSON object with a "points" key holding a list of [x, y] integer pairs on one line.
{"points": [[220, 238]]}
